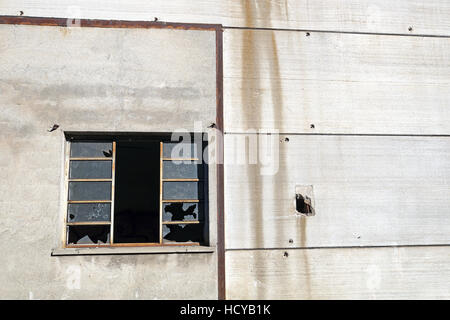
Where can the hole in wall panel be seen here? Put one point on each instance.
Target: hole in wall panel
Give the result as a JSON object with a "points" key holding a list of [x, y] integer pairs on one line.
{"points": [[304, 200]]}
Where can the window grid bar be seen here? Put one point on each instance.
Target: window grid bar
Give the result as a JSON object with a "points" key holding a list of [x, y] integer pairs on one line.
{"points": [[91, 159], [182, 180], [89, 201], [88, 223], [180, 159], [182, 222], [90, 180], [181, 200]]}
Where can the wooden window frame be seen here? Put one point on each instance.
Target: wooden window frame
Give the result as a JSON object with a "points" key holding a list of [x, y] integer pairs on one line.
{"points": [[112, 180], [67, 201]]}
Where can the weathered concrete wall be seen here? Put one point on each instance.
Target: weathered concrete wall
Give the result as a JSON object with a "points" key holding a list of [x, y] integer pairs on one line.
{"points": [[365, 75], [134, 80]]}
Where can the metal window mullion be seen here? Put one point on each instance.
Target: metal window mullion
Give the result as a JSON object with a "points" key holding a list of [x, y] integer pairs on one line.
{"points": [[161, 159], [66, 191], [113, 184]]}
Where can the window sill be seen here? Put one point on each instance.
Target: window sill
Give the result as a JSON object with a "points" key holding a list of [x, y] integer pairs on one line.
{"points": [[131, 250]]}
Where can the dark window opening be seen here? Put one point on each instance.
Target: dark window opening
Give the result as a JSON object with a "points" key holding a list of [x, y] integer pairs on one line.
{"points": [[136, 203]]}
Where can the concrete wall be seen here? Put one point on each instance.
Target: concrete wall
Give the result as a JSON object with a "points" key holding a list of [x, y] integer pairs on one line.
{"points": [[359, 88], [93, 79]]}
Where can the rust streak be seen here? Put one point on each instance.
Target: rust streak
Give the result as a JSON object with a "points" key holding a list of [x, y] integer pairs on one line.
{"points": [[303, 244], [95, 23], [250, 75]]}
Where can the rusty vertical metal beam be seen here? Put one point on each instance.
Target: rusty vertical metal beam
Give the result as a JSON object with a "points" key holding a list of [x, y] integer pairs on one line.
{"points": [[220, 170]]}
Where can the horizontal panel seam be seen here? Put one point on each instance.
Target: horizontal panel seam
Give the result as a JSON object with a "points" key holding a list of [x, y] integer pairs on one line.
{"points": [[335, 134], [340, 32], [341, 247], [285, 79]]}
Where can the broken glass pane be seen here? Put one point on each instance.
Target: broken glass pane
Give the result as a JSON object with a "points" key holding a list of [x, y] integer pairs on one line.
{"points": [[90, 190], [97, 234], [175, 170], [182, 211], [182, 190], [85, 212], [183, 233], [90, 170], [91, 150]]}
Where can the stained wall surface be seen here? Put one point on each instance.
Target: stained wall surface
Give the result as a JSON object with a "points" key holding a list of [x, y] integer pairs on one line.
{"points": [[355, 95], [90, 80]]}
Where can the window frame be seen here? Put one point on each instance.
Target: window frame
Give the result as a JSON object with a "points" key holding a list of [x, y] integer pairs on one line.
{"points": [[113, 138]]}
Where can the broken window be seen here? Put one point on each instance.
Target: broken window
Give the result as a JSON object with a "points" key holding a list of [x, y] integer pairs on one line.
{"points": [[131, 190]]}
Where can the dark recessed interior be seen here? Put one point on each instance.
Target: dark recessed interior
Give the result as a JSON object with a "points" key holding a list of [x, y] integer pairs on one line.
{"points": [[136, 204]]}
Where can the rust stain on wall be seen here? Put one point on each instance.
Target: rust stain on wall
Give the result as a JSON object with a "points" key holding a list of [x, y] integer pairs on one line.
{"points": [[306, 270], [250, 76], [255, 54]]}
